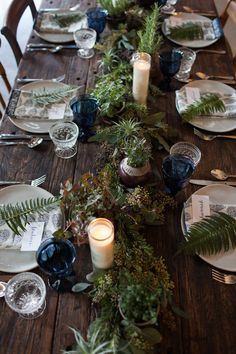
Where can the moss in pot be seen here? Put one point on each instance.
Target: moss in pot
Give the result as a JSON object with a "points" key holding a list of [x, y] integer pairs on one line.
{"points": [[116, 10], [135, 168]]}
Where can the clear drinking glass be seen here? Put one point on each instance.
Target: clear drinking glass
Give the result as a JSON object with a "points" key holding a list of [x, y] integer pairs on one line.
{"points": [[168, 8], [187, 149], [187, 61], [64, 136], [85, 38], [25, 294]]}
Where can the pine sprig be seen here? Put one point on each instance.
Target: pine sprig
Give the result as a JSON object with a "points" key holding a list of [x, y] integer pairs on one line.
{"points": [[17, 216], [188, 31], [65, 20], [52, 96], [207, 105], [211, 235]]}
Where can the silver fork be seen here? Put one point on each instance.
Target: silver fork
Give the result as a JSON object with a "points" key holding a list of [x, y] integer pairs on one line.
{"points": [[223, 278], [55, 79], [33, 182], [210, 137]]}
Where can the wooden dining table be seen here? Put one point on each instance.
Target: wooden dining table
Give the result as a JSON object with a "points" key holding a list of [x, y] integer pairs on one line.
{"points": [[210, 305]]}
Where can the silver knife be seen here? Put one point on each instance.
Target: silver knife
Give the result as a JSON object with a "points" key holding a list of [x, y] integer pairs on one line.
{"points": [[47, 45], [22, 136], [206, 182]]}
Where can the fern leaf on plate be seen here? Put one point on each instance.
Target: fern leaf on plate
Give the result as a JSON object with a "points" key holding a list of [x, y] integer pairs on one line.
{"points": [[188, 31], [53, 96]]}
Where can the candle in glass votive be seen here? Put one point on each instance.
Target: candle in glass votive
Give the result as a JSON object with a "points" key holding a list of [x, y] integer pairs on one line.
{"points": [[141, 71], [101, 241]]}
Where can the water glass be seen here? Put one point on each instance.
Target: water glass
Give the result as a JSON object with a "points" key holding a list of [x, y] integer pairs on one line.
{"points": [[97, 19], [85, 38], [177, 170], [64, 136], [169, 64], [25, 294], [188, 150], [187, 61], [84, 110], [56, 258]]}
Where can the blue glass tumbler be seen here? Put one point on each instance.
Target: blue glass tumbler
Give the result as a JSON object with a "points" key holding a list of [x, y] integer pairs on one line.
{"points": [[176, 170], [84, 110], [96, 17], [56, 258], [169, 65]]}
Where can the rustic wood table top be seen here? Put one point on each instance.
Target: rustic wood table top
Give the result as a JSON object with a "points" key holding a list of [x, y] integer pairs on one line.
{"points": [[210, 305]]}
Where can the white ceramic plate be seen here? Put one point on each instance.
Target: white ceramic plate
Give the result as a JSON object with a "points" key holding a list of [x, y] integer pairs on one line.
{"points": [[15, 261], [186, 43], [36, 126], [218, 194], [217, 125]]}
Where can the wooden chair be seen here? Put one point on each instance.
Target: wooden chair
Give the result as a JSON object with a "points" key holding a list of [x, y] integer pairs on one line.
{"points": [[221, 9], [230, 30], [12, 19], [4, 78]]}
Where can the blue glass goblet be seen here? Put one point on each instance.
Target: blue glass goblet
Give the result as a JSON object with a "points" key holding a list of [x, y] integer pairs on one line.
{"points": [[169, 64], [56, 258], [177, 170], [84, 110], [97, 19]]}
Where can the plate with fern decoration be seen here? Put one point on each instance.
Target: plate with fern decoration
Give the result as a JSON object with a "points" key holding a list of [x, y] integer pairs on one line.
{"points": [[186, 28], [220, 196], [217, 124], [12, 259]]}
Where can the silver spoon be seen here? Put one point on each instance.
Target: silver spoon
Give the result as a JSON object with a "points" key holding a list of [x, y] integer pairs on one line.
{"points": [[221, 175], [204, 76], [51, 50], [31, 144]]}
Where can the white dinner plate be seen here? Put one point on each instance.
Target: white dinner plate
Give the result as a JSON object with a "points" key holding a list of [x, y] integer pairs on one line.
{"points": [[187, 43], [217, 125], [218, 194], [15, 261], [37, 126]]}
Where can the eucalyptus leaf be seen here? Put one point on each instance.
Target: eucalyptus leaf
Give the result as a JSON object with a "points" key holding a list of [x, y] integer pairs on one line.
{"points": [[80, 287], [152, 335]]}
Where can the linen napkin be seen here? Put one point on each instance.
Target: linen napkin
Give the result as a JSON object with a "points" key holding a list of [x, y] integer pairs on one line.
{"points": [[23, 106], [224, 208], [211, 29], [52, 221], [47, 22], [183, 101]]}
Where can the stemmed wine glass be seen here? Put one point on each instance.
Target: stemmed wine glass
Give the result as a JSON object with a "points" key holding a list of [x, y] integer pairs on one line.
{"points": [[169, 64], [85, 38], [56, 258], [177, 170]]}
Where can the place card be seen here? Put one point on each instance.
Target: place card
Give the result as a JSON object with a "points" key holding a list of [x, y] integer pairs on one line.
{"points": [[57, 111], [192, 94], [31, 238], [200, 207]]}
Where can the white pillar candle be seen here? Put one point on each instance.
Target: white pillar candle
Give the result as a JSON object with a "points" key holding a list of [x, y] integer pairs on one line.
{"points": [[141, 71], [101, 241]]}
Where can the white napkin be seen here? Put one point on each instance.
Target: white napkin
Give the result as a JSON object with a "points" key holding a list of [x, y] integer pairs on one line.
{"points": [[224, 208], [207, 27], [49, 25], [52, 220], [228, 99]]}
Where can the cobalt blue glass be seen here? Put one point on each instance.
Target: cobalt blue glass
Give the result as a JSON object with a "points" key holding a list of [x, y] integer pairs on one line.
{"points": [[169, 64], [84, 110], [97, 19], [177, 170], [56, 258]]}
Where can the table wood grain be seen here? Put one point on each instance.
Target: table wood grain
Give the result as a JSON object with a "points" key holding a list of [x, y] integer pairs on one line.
{"points": [[209, 304]]}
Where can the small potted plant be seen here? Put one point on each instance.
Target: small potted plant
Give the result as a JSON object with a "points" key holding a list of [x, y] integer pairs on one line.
{"points": [[116, 10], [135, 168]]}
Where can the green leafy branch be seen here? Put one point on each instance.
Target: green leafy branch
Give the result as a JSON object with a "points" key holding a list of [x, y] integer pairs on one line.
{"points": [[17, 216], [211, 235], [188, 31], [208, 104], [52, 96], [65, 20]]}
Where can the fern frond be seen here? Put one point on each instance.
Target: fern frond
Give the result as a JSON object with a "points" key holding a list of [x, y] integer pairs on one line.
{"points": [[17, 216], [65, 20], [52, 96], [208, 104], [211, 235], [188, 31]]}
